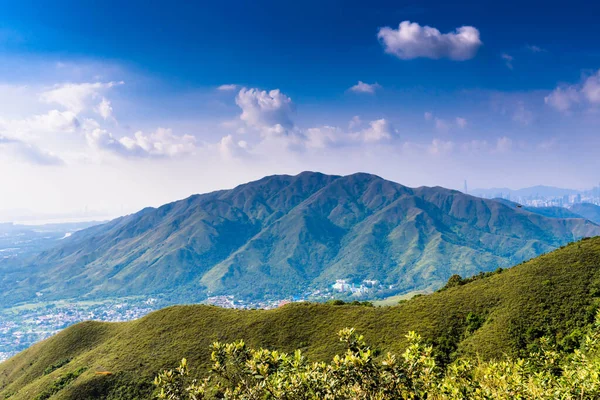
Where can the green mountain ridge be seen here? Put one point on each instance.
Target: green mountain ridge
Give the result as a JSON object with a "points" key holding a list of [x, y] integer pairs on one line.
{"points": [[501, 313], [282, 235]]}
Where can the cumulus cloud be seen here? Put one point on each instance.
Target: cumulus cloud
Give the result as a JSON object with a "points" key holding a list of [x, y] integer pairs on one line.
{"points": [[508, 59], [162, 143], [227, 88], [105, 109], [269, 112], [461, 122], [230, 148], [563, 99], [36, 125], [566, 97], [412, 40], [75, 97], [591, 89], [362, 87], [377, 131]]}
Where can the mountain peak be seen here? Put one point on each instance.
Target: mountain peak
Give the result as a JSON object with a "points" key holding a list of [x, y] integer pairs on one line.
{"points": [[283, 235]]}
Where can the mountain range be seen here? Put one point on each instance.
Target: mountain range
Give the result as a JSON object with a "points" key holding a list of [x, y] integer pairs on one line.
{"points": [[529, 192], [283, 235]]}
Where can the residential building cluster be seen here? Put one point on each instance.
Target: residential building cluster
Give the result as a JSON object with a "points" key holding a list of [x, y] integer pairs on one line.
{"points": [[22, 327]]}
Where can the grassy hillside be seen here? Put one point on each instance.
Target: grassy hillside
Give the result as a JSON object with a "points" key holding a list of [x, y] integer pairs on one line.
{"points": [[283, 235], [504, 312]]}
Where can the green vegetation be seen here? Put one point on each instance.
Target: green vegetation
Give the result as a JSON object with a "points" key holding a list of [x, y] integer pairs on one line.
{"points": [[499, 314], [288, 235], [56, 365], [239, 373], [59, 384]]}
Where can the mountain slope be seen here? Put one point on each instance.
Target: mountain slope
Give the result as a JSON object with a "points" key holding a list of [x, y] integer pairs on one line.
{"points": [[502, 313], [282, 235], [587, 210]]}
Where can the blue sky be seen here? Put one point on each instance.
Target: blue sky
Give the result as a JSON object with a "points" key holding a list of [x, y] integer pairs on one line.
{"points": [[111, 106]]}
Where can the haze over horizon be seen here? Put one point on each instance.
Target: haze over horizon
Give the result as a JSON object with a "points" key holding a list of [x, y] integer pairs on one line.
{"points": [[103, 119]]}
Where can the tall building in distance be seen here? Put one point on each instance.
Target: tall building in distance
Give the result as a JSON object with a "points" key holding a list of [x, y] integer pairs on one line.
{"points": [[465, 191]]}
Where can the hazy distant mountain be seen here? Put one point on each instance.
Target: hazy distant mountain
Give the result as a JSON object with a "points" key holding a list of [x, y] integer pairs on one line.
{"points": [[534, 191], [17, 241], [587, 210], [551, 212], [283, 234]]}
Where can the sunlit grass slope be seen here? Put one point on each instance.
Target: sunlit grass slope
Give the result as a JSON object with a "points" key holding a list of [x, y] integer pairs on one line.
{"points": [[500, 313]]}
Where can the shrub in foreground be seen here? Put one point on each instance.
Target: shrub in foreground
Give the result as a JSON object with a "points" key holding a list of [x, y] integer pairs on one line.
{"points": [[245, 374]]}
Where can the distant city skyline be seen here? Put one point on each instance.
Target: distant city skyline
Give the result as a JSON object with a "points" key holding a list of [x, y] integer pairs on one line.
{"points": [[117, 107]]}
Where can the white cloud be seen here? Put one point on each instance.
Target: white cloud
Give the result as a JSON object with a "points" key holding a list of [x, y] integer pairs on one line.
{"points": [[508, 59], [564, 98], [326, 136], [33, 127], [591, 89], [105, 109], [412, 40], [162, 143], [227, 88], [229, 148], [362, 87], [75, 97], [28, 152], [377, 131], [461, 122], [269, 112], [428, 116]]}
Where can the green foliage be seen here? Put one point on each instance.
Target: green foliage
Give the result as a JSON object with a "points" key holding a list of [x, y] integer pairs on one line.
{"points": [[241, 373], [454, 281], [338, 302], [56, 365], [59, 384]]}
